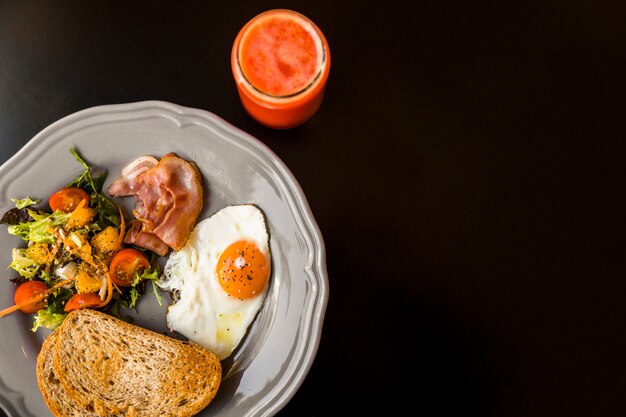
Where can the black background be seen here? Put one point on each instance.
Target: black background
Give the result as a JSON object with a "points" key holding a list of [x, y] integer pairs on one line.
{"points": [[466, 170]]}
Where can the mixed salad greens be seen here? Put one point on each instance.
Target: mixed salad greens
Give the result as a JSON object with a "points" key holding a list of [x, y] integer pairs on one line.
{"points": [[74, 255]]}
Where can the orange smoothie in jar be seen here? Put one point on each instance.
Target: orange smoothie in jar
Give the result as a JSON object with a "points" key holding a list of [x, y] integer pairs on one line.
{"points": [[281, 61]]}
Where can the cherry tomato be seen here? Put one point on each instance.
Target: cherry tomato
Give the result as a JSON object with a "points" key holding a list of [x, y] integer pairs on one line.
{"points": [[85, 300], [28, 290], [126, 264], [67, 199]]}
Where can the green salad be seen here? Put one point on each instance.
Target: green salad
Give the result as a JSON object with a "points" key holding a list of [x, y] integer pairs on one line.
{"points": [[74, 256]]}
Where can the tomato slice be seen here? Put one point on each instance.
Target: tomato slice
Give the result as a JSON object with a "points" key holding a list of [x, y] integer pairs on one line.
{"points": [[28, 290], [126, 264], [67, 199], [78, 301]]}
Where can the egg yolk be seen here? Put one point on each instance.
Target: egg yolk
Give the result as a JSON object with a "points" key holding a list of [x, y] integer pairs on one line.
{"points": [[242, 270]]}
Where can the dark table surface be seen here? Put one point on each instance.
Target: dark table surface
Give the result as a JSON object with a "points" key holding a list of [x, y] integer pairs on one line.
{"points": [[466, 172]]}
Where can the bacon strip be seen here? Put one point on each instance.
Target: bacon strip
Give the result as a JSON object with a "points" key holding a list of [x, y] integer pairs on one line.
{"points": [[147, 240], [168, 200]]}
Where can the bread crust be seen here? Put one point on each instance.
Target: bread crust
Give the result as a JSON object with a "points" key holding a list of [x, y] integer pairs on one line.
{"points": [[57, 400], [107, 367]]}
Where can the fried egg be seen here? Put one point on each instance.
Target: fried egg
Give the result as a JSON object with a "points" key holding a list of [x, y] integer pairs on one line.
{"points": [[219, 278]]}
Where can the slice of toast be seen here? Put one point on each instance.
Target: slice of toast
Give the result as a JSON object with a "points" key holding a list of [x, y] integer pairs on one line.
{"points": [[113, 367], [55, 396]]}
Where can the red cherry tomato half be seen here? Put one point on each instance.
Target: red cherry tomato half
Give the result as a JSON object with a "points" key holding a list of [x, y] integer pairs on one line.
{"points": [[78, 301], [67, 199], [126, 264], [28, 290]]}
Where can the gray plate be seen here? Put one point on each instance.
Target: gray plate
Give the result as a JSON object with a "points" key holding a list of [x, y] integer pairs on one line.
{"points": [[274, 358]]}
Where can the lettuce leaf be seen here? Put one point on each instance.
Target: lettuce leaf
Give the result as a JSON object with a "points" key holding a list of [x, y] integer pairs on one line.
{"points": [[48, 319], [16, 216], [25, 202], [39, 230], [23, 264], [53, 315], [20, 212]]}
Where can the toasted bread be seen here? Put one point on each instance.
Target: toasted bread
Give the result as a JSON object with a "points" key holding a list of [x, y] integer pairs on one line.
{"points": [[57, 400], [110, 367]]}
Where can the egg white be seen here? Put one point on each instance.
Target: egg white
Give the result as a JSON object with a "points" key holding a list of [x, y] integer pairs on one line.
{"points": [[204, 312]]}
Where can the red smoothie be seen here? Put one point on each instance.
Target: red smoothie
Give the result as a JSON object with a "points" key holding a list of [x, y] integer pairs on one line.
{"points": [[281, 62]]}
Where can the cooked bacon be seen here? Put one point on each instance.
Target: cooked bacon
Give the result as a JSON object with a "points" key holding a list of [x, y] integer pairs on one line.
{"points": [[137, 236], [168, 198]]}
